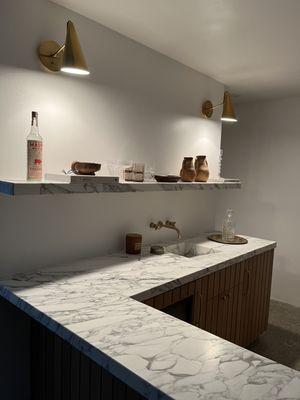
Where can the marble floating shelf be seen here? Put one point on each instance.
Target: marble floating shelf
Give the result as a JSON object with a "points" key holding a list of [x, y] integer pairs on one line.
{"points": [[94, 185]]}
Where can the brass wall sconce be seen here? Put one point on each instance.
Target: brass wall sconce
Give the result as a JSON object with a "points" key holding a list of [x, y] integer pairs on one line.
{"points": [[228, 114], [66, 58]]}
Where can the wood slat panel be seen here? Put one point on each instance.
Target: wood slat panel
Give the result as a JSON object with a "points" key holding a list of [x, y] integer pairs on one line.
{"points": [[75, 374], [61, 372], [233, 323], [203, 284], [57, 355], [168, 298], [230, 313], [250, 297], [107, 383], [184, 291], [222, 280], [232, 270], [245, 295], [84, 392], [268, 286], [49, 373], [209, 314], [221, 315], [95, 381], [119, 390], [150, 302], [253, 299], [237, 273], [227, 278], [35, 363], [239, 320], [215, 314], [211, 282], [192, 286], [159, 301], [264, 294], [176, 295], [217, 276], [197, 308], [66, 371], [260, 291]]}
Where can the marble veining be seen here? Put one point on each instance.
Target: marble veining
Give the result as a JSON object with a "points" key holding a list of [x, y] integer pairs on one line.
{"points": [[93, 305], [15, 188]]}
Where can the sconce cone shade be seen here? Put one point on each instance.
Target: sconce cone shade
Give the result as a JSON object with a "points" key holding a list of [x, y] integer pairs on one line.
{"points": [[73, 61], [228, 110]]}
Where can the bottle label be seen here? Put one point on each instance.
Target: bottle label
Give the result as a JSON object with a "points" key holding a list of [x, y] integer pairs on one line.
{"points": [[34, 159]]}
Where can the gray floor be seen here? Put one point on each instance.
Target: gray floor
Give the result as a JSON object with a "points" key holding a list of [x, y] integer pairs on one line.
{"points": [[281, 341]]}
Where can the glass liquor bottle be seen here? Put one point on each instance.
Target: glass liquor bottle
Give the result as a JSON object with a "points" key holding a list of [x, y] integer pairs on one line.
{"points": [[228, 229], [34, 151]]}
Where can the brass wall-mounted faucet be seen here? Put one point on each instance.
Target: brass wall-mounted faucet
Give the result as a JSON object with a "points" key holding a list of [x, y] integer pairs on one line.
{"points": [[168, 224]]}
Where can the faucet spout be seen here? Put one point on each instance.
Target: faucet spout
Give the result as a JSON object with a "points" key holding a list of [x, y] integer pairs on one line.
{"points": [[168, 224]]}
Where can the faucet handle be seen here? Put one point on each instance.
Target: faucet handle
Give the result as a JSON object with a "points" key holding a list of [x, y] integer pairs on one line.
{"points": [[170, 223], [157, 226]]}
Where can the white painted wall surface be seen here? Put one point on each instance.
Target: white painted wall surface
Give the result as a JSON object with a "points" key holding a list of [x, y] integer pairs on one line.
{"points": [[136, 104], [263, 150]]}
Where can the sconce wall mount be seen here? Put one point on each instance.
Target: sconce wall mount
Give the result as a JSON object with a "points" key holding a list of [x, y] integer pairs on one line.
{"points": [[51, 55], [67, 58]]}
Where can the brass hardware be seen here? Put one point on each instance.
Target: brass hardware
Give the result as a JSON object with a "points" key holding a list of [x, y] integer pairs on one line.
{"points": [[207, 109], [50, 55], [228, 113], [67, 57], [168, 224]]}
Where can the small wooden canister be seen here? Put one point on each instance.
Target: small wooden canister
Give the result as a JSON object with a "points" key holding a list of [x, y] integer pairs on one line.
{"points": [[133, 243]]}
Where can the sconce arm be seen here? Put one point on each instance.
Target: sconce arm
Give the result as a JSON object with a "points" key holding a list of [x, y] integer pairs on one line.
{"points": [[56, 53], [215, 106]]}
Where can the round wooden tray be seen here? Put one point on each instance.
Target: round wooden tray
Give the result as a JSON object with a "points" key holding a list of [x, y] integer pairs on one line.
{"points": [[218, 238]]}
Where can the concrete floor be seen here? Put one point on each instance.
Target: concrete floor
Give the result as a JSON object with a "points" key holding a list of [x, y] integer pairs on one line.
{"points": [[281, 341]]}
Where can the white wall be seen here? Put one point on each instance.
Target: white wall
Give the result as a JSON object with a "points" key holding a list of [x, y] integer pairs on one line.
{"points": [[136, 104], [263, 150]]}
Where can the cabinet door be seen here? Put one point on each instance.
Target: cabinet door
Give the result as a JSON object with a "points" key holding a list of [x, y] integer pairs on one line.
{"points": [[232, 303]]}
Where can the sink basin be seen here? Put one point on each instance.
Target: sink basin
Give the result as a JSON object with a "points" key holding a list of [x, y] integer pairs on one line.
{"points": [[190, 249]]}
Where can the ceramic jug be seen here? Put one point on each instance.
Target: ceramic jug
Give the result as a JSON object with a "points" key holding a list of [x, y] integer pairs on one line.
{"points": [[202, 171], [187, 173]]}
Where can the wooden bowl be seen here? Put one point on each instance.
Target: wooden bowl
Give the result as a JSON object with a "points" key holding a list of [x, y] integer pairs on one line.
{"points": [[85, 168], [167, 178]]}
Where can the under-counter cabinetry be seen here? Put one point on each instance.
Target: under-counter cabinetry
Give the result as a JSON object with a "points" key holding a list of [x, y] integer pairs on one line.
{"points": [[232, 303], [60, 372]]}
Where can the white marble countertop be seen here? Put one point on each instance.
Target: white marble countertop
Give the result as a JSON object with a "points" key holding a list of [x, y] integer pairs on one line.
{"points": [[89, 303]]}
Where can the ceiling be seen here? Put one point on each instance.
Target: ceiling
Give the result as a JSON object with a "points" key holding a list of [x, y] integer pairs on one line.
{"points": [[252, 46]]}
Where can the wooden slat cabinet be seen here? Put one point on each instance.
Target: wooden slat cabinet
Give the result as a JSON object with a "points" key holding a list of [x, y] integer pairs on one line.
{"points": [[61, 372], [232, 303]]}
